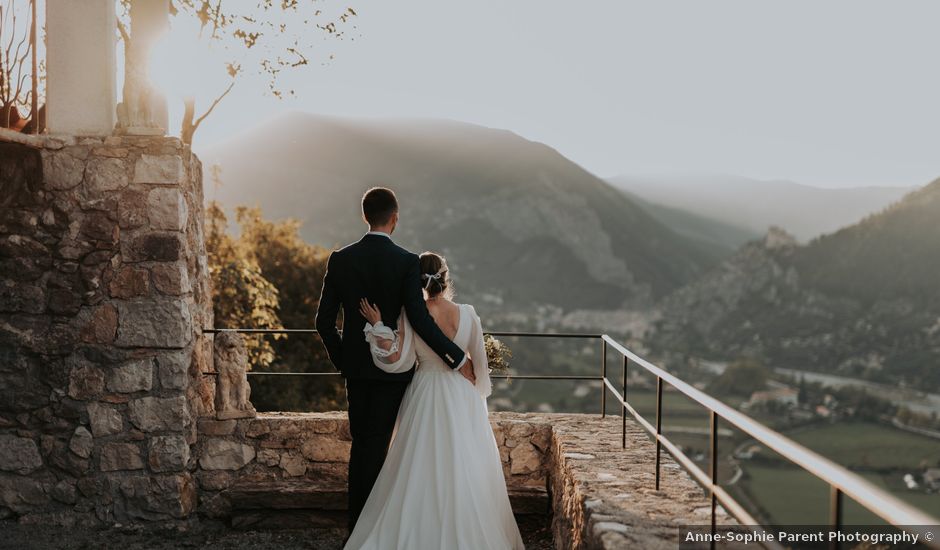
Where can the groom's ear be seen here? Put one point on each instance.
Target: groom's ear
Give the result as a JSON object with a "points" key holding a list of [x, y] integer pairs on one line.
{"points": [[394, 220]]}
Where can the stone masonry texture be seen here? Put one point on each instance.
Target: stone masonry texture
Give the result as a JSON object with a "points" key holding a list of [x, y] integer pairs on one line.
{"points": [[103, 295]]}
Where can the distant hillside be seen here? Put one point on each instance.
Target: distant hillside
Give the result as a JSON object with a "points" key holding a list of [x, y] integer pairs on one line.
{"points": [[520, 223], [726, 237], [861, 302], [756, 205]]}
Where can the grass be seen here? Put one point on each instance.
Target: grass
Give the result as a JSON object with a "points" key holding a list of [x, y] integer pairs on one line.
{"points": [[880, 454], [790, 496], [870, 446]]}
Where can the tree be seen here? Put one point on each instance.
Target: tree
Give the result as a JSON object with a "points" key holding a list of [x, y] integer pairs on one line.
{"points": [[19, 72], [241, 296], [741, 378], [296, 269], [268, 277], [266, 38]]}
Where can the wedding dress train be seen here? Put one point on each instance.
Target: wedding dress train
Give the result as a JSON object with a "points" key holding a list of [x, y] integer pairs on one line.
{"points": [[442, 484]]}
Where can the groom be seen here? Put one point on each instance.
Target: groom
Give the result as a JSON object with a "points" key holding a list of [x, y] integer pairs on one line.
{"points": [[388, 276]]}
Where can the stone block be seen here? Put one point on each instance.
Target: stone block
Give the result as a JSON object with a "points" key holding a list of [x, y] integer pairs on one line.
{"points": [[19, 454], [524, 459], [131, 377], [23, 298], [221, 454], [211, 427], [159, 169], [101, 327], [104, 420], [85, 380], [64, 302], [166, 208], [293, 465], [171, 278], [105, 174], [132, 209], [168, 453], [97, 226], [158, 247], [120, 456], [21, 494], [215, 480], [130, 282], [158, 497], [326, 449], [164, 323], [269, 457], [82, 442], [61, 171], [64, 492], [173, 370], [152, 414]]}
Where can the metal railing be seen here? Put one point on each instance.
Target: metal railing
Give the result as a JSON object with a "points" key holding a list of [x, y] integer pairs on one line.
{"points": [[840, 480]]}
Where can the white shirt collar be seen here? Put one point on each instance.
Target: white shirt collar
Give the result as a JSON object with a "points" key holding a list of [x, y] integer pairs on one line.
{"points": [[383, 234]]}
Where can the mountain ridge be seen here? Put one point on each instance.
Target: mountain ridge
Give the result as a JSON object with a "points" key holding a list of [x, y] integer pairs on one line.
{"points": [[507, 210], [803, 210], [859, 302]]}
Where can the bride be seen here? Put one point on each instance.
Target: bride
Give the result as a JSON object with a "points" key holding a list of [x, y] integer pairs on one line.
{"points": [[442, 483]]}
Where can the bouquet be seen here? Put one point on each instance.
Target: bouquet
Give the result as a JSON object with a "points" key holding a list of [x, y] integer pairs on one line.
{"points": [[498, 355]]}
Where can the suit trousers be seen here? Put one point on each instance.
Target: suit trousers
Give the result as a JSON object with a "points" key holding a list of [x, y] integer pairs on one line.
{"points": [[373, 410]]}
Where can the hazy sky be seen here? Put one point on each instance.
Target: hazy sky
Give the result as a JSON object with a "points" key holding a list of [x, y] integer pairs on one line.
{"points": [[829, 93]]}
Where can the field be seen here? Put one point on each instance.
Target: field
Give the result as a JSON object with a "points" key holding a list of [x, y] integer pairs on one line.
{"points": [[881, 454], [870, 446]]}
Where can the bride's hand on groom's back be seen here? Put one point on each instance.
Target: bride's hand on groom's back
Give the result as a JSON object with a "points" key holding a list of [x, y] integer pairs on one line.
{"points": [[370, 312]]}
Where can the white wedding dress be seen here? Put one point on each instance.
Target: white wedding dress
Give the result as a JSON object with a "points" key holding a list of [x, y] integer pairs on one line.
{"points": [[442, 484]]}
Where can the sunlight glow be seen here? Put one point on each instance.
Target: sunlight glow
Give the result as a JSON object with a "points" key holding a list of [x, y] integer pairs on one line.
{"points": [[184, 64]]}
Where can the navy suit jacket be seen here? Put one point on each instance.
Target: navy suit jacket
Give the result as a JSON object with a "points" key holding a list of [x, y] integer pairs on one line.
{"points": [[388, 276]]}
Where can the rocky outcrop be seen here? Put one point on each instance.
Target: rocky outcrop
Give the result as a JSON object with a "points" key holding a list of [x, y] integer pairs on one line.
{"points": [[103, 294]]}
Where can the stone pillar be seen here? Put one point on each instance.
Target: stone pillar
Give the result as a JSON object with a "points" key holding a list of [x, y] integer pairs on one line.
{"points": [[80, 64], [104, 290]]}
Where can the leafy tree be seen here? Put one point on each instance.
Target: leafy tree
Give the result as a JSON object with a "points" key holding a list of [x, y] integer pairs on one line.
{"points": [[241, 296], [296, 269], [741, 378]]}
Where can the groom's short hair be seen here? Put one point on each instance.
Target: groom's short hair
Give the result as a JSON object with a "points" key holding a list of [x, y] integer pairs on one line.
{"points": [[379, 205]]}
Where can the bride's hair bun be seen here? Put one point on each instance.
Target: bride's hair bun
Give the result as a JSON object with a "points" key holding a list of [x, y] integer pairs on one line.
{"points": [[435, 277]]}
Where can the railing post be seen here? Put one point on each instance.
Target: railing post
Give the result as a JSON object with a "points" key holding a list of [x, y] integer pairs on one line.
{"points": [[714, 474], [659, 425], [835, 514], [623, 407], [603, 377]]}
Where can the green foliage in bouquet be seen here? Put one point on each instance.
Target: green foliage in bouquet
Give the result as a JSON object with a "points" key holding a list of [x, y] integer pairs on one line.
{"points": [[498, 355]]}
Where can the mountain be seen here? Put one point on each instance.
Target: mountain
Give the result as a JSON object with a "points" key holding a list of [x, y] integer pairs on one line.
{"points": [[520, 224], [756, 205], [710, 232], [860, 302]]}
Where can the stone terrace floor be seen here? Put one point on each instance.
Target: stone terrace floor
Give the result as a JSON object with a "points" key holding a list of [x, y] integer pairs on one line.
{"points": [[535, 531]]}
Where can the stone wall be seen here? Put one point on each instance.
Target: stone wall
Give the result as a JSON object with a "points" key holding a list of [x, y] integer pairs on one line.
{"points": [[299, 461], [605, 497], [289, 470], [103, 292]]}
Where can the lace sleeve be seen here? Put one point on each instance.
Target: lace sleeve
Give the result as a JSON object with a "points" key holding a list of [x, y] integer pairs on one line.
{"points": [[392, 350]]}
